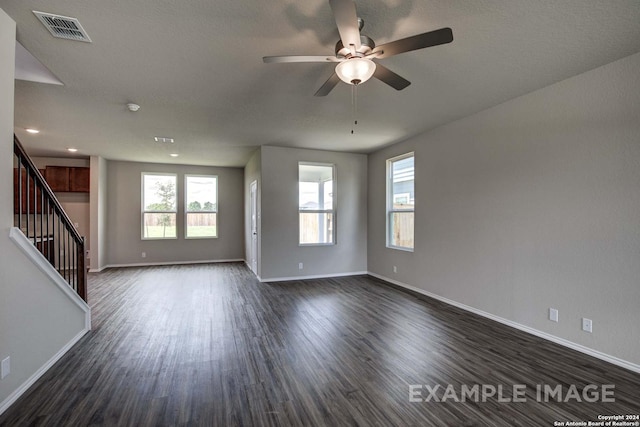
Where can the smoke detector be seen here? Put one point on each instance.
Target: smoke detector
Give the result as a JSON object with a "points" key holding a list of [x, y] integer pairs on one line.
{"points": [[133, 107], [63, 27]]}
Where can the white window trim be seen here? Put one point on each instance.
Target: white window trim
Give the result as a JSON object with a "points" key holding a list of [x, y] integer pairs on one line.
{"points": [[332, 211], [389, 201], [143, 210], [186, 207]]}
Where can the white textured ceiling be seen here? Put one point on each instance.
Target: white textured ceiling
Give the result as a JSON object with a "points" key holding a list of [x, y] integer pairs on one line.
{"points": [[196, 69]]}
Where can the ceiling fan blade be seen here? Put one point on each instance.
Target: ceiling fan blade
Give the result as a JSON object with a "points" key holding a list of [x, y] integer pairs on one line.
{"points": [[344, 12], [420, 41], [328, 85], [389, 77], [299, 58]]}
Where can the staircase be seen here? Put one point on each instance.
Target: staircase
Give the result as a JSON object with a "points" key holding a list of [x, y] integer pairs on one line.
{"points": [[41, 218]]}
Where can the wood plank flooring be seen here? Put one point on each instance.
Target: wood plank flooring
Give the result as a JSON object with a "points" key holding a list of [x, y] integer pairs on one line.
{"points": [[208, 345]]}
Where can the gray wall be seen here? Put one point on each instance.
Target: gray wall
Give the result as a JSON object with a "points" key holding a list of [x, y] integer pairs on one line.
{"points": [[124, 241], [532, 204], [36, 318], [280, 252]]}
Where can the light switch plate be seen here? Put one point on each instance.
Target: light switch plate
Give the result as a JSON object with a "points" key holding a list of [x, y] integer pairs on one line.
{"points": [[5, 369]]}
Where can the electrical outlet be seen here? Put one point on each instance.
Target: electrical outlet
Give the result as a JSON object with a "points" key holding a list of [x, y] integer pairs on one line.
{"points": [[395, 269], [300, 266], [587, 325], [6, 368], [553, 314], [143, 254]]}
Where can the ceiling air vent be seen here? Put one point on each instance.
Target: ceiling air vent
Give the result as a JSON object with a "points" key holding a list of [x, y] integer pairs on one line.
{"points": [[63, 27], [164, 139]]}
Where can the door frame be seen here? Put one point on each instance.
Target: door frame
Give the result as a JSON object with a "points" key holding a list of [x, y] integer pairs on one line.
{"points": [[253, 227]]}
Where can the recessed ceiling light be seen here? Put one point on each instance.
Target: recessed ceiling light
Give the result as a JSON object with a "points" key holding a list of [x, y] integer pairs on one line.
{"points": [[73, 150], [174, 154], [31, 130]]}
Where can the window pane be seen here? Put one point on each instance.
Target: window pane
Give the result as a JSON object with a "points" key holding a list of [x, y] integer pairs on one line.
{"points": [[401, 202], [316, 228], [159, 193], [401, 232], [159, 225], [202, 224], [202, 193], [316, 193], [328, 195], [159, 206], [309, 195], [402, 183], [200, 205]]}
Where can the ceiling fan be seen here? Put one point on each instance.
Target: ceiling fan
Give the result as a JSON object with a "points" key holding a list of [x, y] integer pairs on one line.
{"points": [[355, 52]]}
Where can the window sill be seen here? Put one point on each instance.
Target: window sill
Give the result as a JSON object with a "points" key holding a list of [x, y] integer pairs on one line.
{"points": [[400, 248], [159, 238]]}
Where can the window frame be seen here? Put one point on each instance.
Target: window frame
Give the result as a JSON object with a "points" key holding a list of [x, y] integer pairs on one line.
{"points": [[145, 211], [332, 211], [186, 207], [390, 202]]}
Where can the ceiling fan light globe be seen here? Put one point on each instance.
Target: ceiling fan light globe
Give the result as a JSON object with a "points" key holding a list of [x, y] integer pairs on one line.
{"points": [[354, 71]]}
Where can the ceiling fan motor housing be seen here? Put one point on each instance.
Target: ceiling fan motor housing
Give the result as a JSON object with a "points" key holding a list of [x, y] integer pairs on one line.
{"points": [[366, 46]]}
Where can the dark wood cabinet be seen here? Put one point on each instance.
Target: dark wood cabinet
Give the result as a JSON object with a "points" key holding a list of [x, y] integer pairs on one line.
{"points": [[67, 179], [79, 180], [57, 177]]}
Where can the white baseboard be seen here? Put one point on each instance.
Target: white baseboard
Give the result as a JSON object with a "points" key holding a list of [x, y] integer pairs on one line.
{"points": [[566, 343], [98, 270], [5, 404], [317, 276], [151, 264], [249, 267]]}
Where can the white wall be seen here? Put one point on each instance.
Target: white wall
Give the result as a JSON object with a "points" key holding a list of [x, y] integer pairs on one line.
{"points": [[532, 204], [124, 243], [280, 252], [98, 214], [37, 320]]}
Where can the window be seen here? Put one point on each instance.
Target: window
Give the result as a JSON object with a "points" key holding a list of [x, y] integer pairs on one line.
{"points": [[201, 206], [316, 203], [400, 202], [158, 206]]}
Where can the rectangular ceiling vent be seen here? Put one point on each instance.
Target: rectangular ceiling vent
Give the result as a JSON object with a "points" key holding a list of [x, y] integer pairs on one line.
{"points": [[163, 139], [63, 27]]}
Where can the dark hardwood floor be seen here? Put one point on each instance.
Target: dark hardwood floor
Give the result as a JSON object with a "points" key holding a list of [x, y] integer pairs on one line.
{"points": [[207, 345]]}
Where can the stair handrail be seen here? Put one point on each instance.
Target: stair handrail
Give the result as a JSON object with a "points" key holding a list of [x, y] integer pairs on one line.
{"points": [[53, 203]]}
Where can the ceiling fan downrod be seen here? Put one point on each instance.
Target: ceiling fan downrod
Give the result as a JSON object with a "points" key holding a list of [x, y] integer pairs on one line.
{"points": [[354, 105]]}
